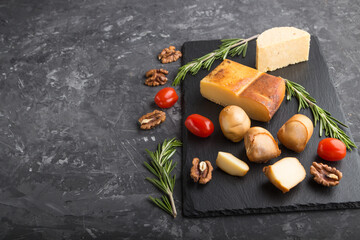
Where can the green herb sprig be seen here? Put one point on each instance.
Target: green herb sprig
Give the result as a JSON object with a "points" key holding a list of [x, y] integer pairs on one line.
{"points": [[161, 166], [229, 47], [327, 122]]}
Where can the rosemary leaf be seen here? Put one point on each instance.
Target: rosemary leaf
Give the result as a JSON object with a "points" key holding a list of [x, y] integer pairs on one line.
{"points": [[232, 47], [161, 166], [160, 203]]}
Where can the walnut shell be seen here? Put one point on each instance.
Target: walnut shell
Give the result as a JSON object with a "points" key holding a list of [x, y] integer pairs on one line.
{"points": [[156, 77], [150, 120], [201, 171], [325, 175], [169, 55]]}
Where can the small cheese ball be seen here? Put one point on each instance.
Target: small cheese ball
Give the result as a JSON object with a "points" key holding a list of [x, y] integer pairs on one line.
{"points": [[296, 132], [234, 123], [260, 145]]}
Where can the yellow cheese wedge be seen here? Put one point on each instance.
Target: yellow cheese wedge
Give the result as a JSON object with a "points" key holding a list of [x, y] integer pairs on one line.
{"points": [[231, 83], [231, 164], [281, 46], [285, 173]]}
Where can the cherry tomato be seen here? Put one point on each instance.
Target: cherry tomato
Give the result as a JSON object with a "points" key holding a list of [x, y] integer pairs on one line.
{"points": [[199, 125], [331, 149], [166, 97]]}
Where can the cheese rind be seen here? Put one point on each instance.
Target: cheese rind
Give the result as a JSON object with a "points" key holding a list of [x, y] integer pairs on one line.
{"points": [[234, 123], [260, 145], [285, 173], [231, 83], [281, 46], [296, 132]]}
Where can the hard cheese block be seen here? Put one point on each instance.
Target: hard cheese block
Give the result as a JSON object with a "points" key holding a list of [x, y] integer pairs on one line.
{"points": [[232, 83], [286, 173], [281, 46]]}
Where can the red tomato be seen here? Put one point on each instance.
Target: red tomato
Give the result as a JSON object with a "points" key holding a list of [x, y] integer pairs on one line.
{"points": [[199, 125], [166, 97], [331, 149]]}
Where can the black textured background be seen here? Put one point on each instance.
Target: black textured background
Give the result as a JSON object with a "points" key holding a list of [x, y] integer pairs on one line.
{"points": [[71, 91]]}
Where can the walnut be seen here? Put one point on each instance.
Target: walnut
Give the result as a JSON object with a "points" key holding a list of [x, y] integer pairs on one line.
{"points": [[152, 119], [201, 171], [325, 175], [156, 77], [169, 55]]}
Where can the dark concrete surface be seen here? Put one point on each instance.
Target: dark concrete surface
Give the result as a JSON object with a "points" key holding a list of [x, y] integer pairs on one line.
{"points": [[71, 91]]}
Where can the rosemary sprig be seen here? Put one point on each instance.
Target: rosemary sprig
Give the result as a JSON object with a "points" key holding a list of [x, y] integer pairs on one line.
{"points": [[161, 166], [228, 47], [327, 122]]}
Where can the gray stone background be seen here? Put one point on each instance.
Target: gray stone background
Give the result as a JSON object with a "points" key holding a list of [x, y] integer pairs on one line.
{"points": [[72, 89]]}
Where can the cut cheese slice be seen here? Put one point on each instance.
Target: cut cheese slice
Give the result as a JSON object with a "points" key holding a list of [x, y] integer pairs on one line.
{"points": [[231, 83], [285, 173], [231, 164], [281, 46]]}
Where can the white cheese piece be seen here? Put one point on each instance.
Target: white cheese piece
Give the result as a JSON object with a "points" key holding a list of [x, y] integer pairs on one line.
{"points": [[285, 173], [281, 46], [231, 164]]}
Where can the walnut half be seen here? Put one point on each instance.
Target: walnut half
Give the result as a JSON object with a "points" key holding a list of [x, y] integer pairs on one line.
{"points": [[325, 175], [201, 171], [156, 77], [152, 119], [169, 55]]}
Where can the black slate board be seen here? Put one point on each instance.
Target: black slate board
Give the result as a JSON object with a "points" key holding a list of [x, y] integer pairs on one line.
{"points": [[229, 195]]}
